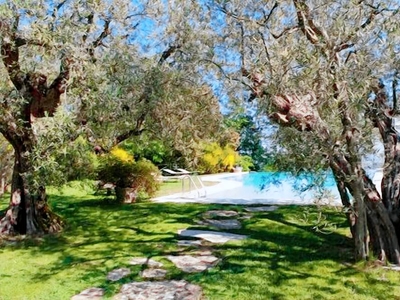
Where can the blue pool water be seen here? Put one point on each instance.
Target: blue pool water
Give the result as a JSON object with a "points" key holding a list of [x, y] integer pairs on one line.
{"points": [[279, 188], [302, 182]]}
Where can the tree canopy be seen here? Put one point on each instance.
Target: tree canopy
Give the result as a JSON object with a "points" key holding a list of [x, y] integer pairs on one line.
{"points": [[74, 69]]}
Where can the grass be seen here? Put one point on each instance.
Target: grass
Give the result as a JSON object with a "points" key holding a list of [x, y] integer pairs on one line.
{"points": [[174, 186], [292, 253]]}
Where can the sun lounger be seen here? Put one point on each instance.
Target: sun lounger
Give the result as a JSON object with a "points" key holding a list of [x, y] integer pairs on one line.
{"points": [[184, 171], [173, 173]]}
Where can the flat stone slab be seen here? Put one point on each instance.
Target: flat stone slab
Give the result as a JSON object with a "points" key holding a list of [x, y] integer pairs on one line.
{"points": [[117, 274], [153, 273], [92, 293], [160, 290], [145, 261], [221, 214], [393, 268], [190, 243], [193, 264], [215, 237], [261, 208], [224, 224], [202, 252]]}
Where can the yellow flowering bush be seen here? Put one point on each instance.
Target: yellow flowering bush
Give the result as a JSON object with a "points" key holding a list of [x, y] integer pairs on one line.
{"points": [[122, 155], [218, 159]]}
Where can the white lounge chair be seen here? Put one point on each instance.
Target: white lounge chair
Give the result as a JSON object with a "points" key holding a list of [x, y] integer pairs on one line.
{"points": [[184, 171], [171, 172]]}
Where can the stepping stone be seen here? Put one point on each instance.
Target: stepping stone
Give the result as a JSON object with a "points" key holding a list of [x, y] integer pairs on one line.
{"points": [[203, 252], [160, 290], [92, 293], [190, 243], [153, 273], [221, 214], [193, 264], [145, 261], [215, 237], [224, 224], [246, 216], [261, 208], [117, 274], [392, 267]]}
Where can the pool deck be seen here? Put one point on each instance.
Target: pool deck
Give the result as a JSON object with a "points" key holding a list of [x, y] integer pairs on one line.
{"points": [[229, 191]]}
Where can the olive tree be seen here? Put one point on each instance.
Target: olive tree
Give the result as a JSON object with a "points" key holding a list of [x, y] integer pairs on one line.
{"points": [[326, 73], [102, 70]]}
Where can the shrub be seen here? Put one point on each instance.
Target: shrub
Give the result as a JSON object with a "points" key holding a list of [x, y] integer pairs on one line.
{"points": [[217, 159], [120, 169], [246, 162], [145, 175]]}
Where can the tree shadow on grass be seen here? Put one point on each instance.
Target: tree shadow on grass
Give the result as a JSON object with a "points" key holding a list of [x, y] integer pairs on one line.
{"points": [[284, 252], [280, 251]]}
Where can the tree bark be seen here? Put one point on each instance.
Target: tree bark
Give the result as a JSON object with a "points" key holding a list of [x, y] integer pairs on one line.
{"points": [[28, 211]]}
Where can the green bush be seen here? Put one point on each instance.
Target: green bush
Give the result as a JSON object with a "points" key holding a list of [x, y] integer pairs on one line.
{"points": [[116, 171], [246, 162], [141, 176], [145, 177]]}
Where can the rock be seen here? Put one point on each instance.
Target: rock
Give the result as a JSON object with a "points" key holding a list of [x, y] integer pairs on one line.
{"points": [[190, 243], [193, 264], [202, 252], [246, 216], [224, 224], [92, 293], [145, 261], [160, 290], [153, 273], [221, 214], [392, 267], [117, 274], [261, 208], [211, 236]]}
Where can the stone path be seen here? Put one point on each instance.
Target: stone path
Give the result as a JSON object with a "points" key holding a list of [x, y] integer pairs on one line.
{"points": [[161, 290], [215, 237], [221, 214], [117, 274], [153, 273], [222, 224], [93, 293], [198, 261], [145, 261], [194, 264], [261, 208]]}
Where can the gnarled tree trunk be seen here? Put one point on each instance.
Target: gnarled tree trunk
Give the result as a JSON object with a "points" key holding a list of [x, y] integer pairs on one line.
{"points": [[28, 211]]}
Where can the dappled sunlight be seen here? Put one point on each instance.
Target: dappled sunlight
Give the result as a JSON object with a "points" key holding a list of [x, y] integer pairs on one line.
{"points": [[285, 255]]}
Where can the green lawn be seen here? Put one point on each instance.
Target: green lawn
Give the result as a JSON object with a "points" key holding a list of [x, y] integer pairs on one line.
{"points": [[174, 186], [292, 253]]}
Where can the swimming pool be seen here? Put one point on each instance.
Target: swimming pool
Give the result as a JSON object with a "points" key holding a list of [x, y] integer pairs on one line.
{"points": [[263, 188], [278, 188]]}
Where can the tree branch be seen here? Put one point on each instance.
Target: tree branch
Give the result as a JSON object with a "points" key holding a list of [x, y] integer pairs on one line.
{"points": [[306, 23], [167, 53], [369, 20], [288, 30], [99, 40], [55, 10], [45, 100], [10, 52], [241, 18], [266, 18], [131, 133], [89, 23], [394, 86]]}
